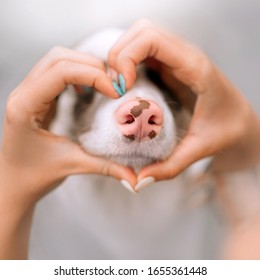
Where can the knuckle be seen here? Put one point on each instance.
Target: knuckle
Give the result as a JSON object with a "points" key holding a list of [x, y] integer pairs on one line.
{"points": [[63, 71], [98, 80], [150, 33], [13, 110], [143, 22], [56, 51], [56, 54], [62, 65]]}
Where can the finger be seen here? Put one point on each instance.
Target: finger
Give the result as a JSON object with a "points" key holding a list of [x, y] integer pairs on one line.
{"points": [[78, 161], [126, 38], [139, 26], [38, 94], [188, 64], [148, 43], [134, 31], [58, 54], [190, 150], [126, 60], [109, 168]]}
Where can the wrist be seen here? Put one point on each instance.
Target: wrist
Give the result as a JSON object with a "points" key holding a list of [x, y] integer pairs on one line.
{"points": [[243, 155], [15, 230], [16, 212], [13, 187], [238, 195]]}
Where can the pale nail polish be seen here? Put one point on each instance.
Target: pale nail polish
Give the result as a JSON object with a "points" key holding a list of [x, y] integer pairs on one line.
{"points": [[117, 88], [144, 183], [121, 81], [127, 185]]}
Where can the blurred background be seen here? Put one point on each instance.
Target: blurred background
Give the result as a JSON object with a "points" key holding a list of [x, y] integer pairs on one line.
{"points": [[227, 30]]}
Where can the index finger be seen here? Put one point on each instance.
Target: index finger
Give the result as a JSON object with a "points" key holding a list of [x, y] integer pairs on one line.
{"points": [[188, 64], [58, 54], [36, 96]]}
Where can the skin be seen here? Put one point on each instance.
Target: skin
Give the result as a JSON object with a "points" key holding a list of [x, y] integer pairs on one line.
{"points": [[223, 120], [223, 123], [33, 161]]}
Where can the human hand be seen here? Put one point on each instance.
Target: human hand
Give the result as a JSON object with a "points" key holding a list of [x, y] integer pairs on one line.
{"points": [[32, 159], [222, 121]]}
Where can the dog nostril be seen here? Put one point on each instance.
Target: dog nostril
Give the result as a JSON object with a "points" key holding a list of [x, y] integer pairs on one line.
{"points": [[139, 119], [152, 120], [129, 119]]}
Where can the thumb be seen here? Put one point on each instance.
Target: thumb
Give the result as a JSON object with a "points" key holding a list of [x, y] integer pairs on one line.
{"points": [[188, 151], [81, 162]]}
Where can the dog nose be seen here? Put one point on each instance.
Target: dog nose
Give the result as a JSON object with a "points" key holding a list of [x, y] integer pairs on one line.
{"points": [[139, 119]]}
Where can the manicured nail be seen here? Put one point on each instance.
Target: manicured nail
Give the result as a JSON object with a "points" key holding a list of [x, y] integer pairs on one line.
{"points": [[117, 88], [144, 183], [121, 81], [127, 185]]}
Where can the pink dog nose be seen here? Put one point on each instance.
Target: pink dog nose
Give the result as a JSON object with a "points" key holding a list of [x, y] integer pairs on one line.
{"points": [[139, 119]]}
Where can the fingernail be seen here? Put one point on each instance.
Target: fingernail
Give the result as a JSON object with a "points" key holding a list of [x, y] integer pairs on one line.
{"points": [[127, 185], [144, 183], [117, 88], [121, 80]]}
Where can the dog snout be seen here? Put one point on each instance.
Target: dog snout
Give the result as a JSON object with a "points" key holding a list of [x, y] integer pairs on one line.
{"points": [[139, 119]]}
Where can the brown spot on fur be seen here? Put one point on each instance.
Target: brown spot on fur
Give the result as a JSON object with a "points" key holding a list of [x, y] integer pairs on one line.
{"points": [[130, 137], [137, 110], [152, 134]]}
